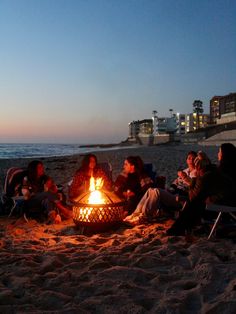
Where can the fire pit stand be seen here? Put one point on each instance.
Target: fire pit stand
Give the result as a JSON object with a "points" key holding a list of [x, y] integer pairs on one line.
{"points": [[98, 217]]}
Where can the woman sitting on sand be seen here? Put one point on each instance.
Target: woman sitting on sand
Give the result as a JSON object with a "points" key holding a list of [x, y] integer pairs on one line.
{"points": [[212, 185], [81, 179], [133, 182], [227, 160], [156, 198], [181, 184], [43, 201]]}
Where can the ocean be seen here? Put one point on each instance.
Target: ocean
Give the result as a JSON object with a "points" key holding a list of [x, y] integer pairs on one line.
{"points": [[11, 151]]}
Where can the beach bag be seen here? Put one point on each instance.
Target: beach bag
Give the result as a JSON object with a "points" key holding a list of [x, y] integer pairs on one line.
{"points": [[149, 169]]}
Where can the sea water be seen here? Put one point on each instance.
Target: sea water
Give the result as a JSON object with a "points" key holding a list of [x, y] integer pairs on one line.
{"points": [[10, 151]]}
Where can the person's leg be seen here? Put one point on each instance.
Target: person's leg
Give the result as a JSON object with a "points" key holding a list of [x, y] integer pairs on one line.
{"points": [[64, 211], [41, 206], [151, 203], [168, 199], [188, 218], [148, 205]]}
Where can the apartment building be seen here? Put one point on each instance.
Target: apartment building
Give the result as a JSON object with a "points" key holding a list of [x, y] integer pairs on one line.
{"points": [[223, 109], [196, 121]]}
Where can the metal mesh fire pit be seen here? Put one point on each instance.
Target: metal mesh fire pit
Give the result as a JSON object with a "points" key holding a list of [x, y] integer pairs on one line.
{"points": [[98, 217]]}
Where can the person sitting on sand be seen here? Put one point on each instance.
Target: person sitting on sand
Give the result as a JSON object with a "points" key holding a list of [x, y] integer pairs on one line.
{"points": [[156, 198], [50, 186], [227, 160], [81, 179], [181, 184], [132, 182], [42, 198], [211, 185]]}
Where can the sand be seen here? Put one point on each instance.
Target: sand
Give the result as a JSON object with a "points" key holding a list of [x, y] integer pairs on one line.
{"points": [[56, 269]]}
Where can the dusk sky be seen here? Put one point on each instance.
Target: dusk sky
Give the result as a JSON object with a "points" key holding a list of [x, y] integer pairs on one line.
{"points": [[78, 71]]}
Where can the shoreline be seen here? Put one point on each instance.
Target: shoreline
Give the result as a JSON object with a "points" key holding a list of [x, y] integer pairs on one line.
{"points": [[57, 268], [166, 159], [81, 150]]}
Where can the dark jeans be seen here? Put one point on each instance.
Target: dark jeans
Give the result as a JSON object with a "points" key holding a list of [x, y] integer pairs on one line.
{"points": [[40, 205], [189, 217]]}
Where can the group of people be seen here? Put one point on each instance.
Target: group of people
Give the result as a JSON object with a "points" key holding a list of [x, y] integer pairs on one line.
{"points": [[42, 198], [130, 185], [44, 201], [199, 183]]}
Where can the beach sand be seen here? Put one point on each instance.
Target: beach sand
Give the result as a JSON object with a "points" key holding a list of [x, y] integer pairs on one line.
{"points": [[56, 269]]}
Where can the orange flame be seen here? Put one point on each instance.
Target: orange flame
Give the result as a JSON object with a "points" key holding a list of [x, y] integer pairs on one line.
{"points": [[95, 195]]}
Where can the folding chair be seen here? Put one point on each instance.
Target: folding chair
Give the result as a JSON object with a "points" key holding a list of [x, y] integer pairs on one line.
{"points": [[12, 185], [13, 180], [149, 169], [220, 209]]}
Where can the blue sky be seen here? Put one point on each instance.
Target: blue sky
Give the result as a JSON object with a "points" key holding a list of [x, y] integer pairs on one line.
{"points": [[78, 71]]}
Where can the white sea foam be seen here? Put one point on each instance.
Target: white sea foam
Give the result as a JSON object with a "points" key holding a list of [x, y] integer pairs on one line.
{"points": [[12, 151]]}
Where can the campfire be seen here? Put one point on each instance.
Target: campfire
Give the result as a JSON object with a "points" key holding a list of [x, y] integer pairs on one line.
{"points": [[97, 208]]}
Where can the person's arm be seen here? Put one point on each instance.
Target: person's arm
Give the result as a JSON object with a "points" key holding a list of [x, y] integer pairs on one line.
{"points": [[199, 189], [146, 183], [26, 188], [63, 211], [120, 183], [77, 186], [187, 180]]}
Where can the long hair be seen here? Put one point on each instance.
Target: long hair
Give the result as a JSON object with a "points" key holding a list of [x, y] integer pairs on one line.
{"points": [[228, 151], [133, 161], [228, 159], [32, 169], [202, 161], [203, 156], [138, 164], [86, 161]]}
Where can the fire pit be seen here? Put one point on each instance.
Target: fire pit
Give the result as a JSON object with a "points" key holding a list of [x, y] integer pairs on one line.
{"points": [[98, 210]]}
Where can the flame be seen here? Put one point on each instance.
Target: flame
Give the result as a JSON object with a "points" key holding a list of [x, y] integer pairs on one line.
{"points": [[95, 184], [95, 196]]}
